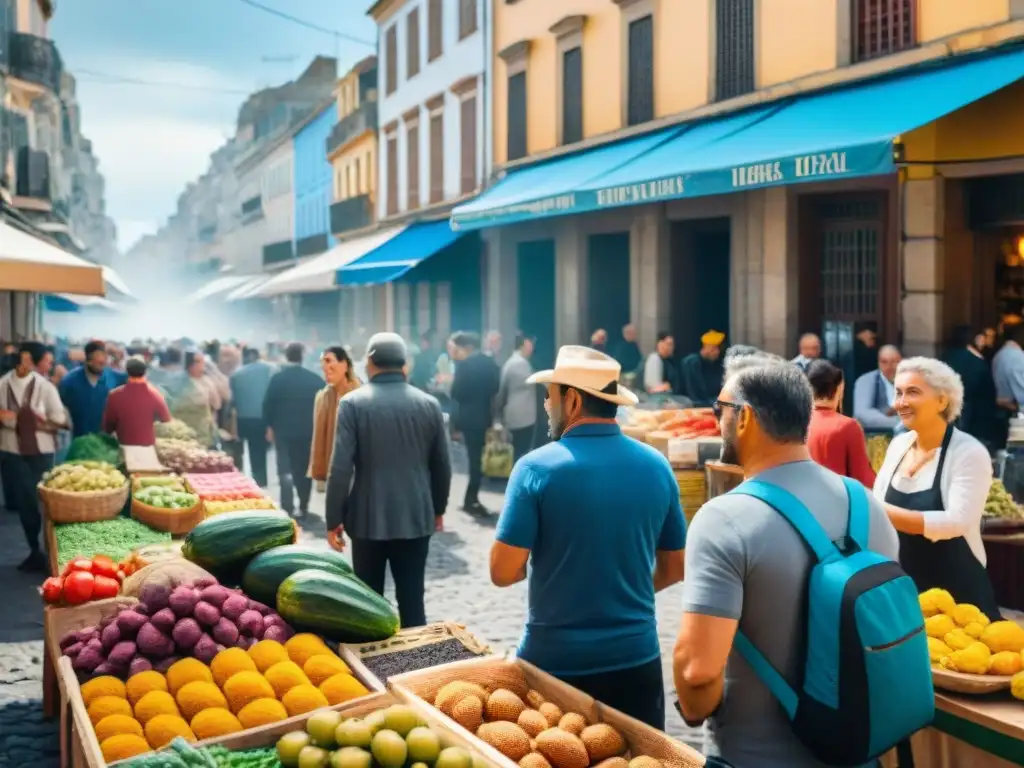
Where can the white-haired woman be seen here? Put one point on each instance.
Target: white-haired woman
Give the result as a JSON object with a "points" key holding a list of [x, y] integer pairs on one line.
{"points": [[934, 483]]}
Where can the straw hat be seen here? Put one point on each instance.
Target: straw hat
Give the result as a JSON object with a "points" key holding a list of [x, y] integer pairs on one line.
{"points": [[589, 371]]}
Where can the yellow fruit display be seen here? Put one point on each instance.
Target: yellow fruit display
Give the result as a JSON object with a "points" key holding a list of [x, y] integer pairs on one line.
{"points": [[140, 684], [163, 729], [937, 649], [452, 693], [229, 662], [320, 668], [105, 685], [262, 712], [186, 671], [469, 713], [211, 723], [303, 698], [972, 660], [602, 742], [112, 725], [284, 676], [104, 706], [563, 749], [196, 696], [1005, 663], [267, 653], [965, 613], [975, 628], [507, 738], [939, 625], [573, 722], [245, 687], [341, 688], [958, 639], [303, 646], [1003, 636], [504, 705], [551, 712], [123, 746], [1017, 686], [155, 703], [936, 601], [532, 721]]}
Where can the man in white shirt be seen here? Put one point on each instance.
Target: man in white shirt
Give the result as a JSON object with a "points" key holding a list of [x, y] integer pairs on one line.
{"points": [[874, 395], [31, 412], [810, 350]]}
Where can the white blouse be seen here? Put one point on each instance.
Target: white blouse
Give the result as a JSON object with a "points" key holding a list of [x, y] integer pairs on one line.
{"points": [[965, 482]]}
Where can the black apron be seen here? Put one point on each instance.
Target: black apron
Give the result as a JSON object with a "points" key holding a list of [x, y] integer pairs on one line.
{"points": [[948, 564]]}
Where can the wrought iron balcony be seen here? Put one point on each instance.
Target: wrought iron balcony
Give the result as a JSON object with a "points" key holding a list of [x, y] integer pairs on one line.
{"points": [[352, 213], [352, 125], [36, 60]]}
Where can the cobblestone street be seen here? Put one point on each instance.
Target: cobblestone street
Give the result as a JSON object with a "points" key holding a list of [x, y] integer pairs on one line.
{"points": [[458, 587]]}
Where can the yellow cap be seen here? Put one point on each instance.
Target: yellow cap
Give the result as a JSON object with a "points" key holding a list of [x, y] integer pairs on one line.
{"points": [[712, 337]]}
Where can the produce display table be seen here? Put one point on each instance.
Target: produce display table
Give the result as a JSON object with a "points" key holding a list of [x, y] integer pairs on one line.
{"points": [[974, 731]]}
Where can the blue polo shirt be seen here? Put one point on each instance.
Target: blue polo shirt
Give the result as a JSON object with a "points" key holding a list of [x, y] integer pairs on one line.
{"points": [[85, 401], [592, 508]]}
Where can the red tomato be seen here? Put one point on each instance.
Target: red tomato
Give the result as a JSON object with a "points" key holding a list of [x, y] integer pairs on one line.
{"points": [[104, 587], [78, 564], [104, 566], [78, 587], [53, 588]]}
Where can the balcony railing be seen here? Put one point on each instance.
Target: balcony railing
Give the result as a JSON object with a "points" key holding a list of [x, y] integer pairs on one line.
{"points": [[35, 60], [352, 213], [352, 125]]}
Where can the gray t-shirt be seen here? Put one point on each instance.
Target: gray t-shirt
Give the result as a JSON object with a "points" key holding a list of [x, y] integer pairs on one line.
{"points": [[744, 561]]}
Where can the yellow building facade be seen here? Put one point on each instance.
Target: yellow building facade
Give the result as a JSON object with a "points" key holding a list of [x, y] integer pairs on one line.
{"points": [[562, 86], [352, 148]]}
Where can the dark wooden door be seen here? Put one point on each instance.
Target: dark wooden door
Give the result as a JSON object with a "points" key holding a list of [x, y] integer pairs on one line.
{"points": [[607, 284], [535, 266]]}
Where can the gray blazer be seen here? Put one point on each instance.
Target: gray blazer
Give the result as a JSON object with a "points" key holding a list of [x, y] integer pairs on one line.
{"points": [[517, 399], [390, 472]]}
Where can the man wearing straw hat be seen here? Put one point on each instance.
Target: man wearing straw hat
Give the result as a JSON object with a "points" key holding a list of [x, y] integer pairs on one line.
{"points": [[597, 515]]}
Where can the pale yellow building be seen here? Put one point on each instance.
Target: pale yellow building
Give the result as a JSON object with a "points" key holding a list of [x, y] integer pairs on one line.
{"points": [[586, 90], [352, 148]]}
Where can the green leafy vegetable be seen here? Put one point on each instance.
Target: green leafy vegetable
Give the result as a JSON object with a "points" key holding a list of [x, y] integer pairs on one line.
{"points": [[95, 447], [114, 538]]}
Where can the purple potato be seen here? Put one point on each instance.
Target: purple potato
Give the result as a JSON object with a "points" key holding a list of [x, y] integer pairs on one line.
{"points": [[153, 643], [130, 622], [278, 633], [186, 634], [139, 664], [110, 636], [74, 649], [88, 659], [164, 620], [215, 595], [251, 623], [122, 654], [206, 614], [154, 597], [106, 668], [234, 607], [204, 582], [164, 664], [182, 600], [225, 632], [69, 639], [205, 649]]}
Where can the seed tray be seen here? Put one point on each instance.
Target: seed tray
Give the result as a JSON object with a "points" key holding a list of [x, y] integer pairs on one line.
{"points": [[414, 649]]}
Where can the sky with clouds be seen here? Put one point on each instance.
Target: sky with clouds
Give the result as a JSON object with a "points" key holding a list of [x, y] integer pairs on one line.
{"points": [[151, 140]]}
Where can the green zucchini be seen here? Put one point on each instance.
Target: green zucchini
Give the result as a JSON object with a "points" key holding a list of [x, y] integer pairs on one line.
{"points": [[339, 607], [224, 544], [265, 572]]}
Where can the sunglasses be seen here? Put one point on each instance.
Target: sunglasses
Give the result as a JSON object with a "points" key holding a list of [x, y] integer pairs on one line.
{"points": [[719, 406]]}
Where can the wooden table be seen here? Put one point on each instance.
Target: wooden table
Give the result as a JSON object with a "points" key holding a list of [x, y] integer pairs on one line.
{"points": [[970, 732]]}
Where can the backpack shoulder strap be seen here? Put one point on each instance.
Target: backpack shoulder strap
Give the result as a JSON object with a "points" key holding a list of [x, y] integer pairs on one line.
{"points": [[776, 683], [860, 518], [798, 516]]}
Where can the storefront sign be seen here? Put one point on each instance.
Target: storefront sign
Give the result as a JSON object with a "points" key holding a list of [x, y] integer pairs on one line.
{"points": [[806, 166], [631, 194]]}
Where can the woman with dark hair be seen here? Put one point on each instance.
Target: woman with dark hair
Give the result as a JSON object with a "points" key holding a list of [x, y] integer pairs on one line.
{"points": [[835, 441], [980, 415], [341, 379]]}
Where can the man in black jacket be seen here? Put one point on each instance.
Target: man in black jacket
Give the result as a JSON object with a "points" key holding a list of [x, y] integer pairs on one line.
{"points": [[477, 379], [390, 477], [288, 414]]}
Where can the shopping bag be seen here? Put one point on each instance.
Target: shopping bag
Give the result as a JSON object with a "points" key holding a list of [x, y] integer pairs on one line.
{"points": [[498, 455]]}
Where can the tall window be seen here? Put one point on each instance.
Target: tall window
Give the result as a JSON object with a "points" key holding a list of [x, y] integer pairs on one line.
{"points": [[435, 29], [467, 18], [467, 145], [412, 155], [391, 59], [572, 95], [734, 48], [412, 43], [640, 98], [517, 116], [881, 27], [392, 204], [437, 157], [359, 180]]}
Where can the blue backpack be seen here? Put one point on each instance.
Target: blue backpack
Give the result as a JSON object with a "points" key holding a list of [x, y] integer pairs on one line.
{"points": [[867, 679]]}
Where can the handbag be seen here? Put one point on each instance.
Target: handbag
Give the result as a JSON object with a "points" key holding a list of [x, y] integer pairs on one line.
{"points": [[498, 456]]}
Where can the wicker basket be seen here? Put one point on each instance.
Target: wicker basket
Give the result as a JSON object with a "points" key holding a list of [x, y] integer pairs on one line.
{"points": [[83, 507], [172, 521]]}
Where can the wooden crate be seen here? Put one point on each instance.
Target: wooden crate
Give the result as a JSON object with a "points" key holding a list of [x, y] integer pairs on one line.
{"points": [[419, 689], [84, 750], [57, 622]]}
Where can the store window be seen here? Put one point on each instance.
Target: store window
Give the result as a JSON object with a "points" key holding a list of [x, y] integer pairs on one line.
{"points": [[435, 29], [392, 160], [640, 96], [391, 60], [412, 155], [734, 48], [572, 95], [412, 43], [881, 27], [517, 116], [467, 144], [437, 157]]}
